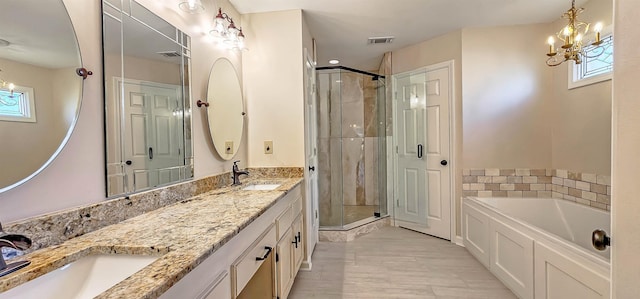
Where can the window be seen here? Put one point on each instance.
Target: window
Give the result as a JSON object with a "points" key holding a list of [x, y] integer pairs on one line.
{"points": [[17, 105], [595, 69]]}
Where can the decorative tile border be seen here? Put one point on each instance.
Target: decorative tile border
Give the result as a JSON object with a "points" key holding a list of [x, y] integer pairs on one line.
{"points": [[584, 188], [57, 227]]}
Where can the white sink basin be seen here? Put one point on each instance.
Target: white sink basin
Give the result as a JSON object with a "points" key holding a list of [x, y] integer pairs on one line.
{"points": [[84, 278], [261, 187]]}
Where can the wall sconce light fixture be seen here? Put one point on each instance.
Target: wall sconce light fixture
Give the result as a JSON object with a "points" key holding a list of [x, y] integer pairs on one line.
{"points": [[230, 35]]}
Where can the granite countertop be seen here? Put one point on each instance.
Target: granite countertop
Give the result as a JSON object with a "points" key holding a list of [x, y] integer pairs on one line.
{"points": [[183, 235]]}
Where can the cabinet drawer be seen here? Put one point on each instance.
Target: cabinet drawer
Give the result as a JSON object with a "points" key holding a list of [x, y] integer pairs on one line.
{"points": [[248, 263], [283, 222]]}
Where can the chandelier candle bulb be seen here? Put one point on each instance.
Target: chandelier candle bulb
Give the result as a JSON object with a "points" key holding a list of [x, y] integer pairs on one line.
{"points": [[551, 41], [597, 28]]}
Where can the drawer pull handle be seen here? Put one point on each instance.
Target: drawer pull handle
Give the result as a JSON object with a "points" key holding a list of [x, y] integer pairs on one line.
{"points": [[295, 241], [266, 255], [299, 237]]}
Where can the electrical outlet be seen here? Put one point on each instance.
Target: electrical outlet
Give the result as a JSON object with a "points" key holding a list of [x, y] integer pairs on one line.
{"points": [[228, 147], [268, 147]]}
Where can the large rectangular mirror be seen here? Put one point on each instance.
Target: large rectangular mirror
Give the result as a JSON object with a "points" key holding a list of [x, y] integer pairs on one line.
{"points": [[147, 99]]}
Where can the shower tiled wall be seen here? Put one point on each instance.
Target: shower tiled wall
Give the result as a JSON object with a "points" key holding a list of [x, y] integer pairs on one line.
{"points": [[584, 188]]}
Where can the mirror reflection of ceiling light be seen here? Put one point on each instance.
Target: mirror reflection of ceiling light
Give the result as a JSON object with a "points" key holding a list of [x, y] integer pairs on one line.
{"points": [[191, 6], [334, 61], [6, 85]]}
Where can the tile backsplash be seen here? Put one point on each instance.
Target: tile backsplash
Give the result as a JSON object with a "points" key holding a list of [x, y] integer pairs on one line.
{"points": [[584, 188]]}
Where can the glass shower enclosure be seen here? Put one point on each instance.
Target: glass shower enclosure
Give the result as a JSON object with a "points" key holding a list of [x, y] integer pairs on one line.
{"points": [[352, 174]]}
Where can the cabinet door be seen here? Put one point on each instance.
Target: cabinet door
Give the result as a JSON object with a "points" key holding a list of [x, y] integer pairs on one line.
{"points": [[298, 248], [284, 264]]}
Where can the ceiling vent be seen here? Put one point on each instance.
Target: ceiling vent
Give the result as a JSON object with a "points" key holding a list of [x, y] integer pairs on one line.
{"points": [[169, 54], [380, 40]]}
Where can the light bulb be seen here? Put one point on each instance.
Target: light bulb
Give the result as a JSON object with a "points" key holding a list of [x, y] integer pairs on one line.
{"points": [[191, 6], [551, 41], [578, 37], [566, 31], [597, 27]]}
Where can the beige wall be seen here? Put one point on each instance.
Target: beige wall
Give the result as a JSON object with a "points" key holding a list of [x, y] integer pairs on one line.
{"points": [[625, 224], [444, 48], [580, 110], [505, 95], [26, 146], [76, 177], [273, 76]]}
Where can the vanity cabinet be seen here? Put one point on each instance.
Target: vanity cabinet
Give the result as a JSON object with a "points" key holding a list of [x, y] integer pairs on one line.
{"points": [[234, 272], [290, 253]]}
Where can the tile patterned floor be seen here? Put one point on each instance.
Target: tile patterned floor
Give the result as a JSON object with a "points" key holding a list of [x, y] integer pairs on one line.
{"points": [[396, 263]]}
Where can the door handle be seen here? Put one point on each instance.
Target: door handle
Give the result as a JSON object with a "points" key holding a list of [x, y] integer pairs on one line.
{"points": [[312, 168], [600, 240], [444, 162], [128, 162], [266, 255], [150, 153], [419, 151]]}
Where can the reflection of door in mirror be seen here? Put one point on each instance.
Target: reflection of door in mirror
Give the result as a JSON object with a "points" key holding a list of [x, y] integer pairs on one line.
{"points": [[38, 115], [147, 100]]}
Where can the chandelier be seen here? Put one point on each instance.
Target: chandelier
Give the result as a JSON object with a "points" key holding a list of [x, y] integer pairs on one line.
{"points": [[10, 86], [573, 36], [230, 35]]}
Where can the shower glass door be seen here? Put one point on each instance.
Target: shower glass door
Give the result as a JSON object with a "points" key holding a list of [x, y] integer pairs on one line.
{"points": [[352, 147]]}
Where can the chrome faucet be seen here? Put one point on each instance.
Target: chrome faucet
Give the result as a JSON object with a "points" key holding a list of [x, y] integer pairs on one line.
{"points": [[14, 241], [236, 173]]}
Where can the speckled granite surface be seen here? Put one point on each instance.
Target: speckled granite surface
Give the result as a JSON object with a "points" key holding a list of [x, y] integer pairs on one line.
{"points": [[184, 234], [55, 228]]}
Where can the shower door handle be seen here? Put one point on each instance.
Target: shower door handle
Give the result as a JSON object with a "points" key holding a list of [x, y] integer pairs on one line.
{"points": [[419, 151]]}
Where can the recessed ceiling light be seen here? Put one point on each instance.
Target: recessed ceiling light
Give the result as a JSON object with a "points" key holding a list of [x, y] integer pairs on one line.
{"points": [[334, 61]]}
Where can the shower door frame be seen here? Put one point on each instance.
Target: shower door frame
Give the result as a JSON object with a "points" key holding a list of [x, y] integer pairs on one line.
{"points": [[347, 226]]}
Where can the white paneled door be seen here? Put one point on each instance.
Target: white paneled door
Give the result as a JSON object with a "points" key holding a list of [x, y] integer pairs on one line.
{"points": [[422, 123], [311, 152]]}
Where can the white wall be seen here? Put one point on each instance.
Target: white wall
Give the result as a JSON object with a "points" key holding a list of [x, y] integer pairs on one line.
{"points": [[76, 177], [625, 206], [273, 75]]}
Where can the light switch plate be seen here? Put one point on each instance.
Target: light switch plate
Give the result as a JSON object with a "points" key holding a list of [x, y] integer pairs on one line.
{"points": [[268, 147], [228, 147]]}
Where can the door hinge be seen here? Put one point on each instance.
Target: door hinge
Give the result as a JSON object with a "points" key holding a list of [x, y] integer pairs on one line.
{"points": [[277, 257], [397, 203], [396, 149], [316, 214]]}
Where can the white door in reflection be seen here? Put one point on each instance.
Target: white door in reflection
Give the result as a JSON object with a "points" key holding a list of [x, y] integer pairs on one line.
{"points": [[152, 133], [423, 198]]}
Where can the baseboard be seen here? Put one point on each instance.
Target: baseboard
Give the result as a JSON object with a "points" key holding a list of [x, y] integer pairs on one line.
{"points": [[458, 241], [306, 266]]}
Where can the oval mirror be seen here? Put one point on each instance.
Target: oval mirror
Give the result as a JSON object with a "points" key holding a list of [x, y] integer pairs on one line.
{"points": [[40, 91], [226, 110]]}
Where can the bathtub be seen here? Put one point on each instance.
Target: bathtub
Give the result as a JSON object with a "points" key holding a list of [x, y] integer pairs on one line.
{"points": [[539, 247]]}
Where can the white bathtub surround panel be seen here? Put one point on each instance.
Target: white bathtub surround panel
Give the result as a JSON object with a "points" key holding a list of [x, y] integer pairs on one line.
{"points": [[584, 188], [525, 243]]}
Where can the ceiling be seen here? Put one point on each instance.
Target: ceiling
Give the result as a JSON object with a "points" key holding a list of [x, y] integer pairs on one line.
{"points": [[341, 27], [40, 33]]}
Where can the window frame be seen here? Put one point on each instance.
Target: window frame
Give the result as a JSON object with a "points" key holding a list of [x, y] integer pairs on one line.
{"points": [[573, 70], [28, 101]]}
